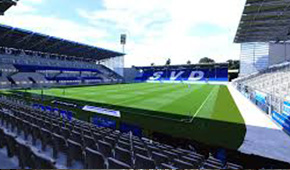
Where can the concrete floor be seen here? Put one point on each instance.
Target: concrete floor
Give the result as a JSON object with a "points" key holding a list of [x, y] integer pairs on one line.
{"points": [[263, 137]]}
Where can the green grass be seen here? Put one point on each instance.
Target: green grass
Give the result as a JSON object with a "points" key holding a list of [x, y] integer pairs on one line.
{"points": [[211, 113], [179, 99]]}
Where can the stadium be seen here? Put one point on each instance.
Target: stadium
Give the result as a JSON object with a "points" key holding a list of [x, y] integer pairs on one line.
{"points": [[69, 105]]}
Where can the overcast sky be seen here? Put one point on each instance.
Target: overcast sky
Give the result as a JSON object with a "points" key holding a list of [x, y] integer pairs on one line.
{"points": [[157, 29]]}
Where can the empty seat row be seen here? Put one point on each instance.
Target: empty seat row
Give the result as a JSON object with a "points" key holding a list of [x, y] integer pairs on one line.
{"points": [[65, 144]]}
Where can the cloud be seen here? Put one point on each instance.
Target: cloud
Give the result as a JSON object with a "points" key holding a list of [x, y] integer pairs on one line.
{"points": [[26, 16], [24, 7], [20, 8], [34, 1], [163, 29], [157, 29]]}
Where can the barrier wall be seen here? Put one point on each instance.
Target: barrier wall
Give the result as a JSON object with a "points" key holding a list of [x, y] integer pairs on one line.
{"points": [[280, 115], [218, 74], [283, 118]]}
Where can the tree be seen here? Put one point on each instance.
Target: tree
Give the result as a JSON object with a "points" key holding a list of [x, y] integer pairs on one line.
{"points": [[188, 62], [168, 62], [206, 60], [234, 64]]}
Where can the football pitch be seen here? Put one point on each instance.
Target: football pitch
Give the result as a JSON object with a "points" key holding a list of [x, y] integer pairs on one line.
{"points": [[195, 109]]}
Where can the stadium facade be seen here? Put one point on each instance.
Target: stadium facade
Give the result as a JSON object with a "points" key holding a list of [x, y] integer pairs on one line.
{"points": [[264, 33], [258, 56], [193, 73], [31, 59]]}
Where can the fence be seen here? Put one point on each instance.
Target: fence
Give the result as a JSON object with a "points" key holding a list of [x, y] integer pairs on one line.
{"points": [[276, 107]]}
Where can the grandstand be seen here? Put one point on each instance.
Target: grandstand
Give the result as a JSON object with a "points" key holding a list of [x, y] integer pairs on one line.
{"points": [[264, 37], [185, 73], [264, 76], [36, 61], [68, 105], [6, 4], [40, 140], [45, 61]]}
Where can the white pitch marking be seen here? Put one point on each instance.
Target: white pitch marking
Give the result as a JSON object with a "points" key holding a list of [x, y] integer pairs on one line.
{"points": [[201, 106]]}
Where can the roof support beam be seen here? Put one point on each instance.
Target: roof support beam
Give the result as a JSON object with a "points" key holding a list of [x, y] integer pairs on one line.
{"points": [[40, 42], [264, 20], [54, 45], [268, 3], [6, 34], [27, 40]]}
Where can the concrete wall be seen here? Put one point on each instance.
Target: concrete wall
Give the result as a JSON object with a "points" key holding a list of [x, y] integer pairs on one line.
{"points": [[279, 53], [254, 57], [130, 74]]}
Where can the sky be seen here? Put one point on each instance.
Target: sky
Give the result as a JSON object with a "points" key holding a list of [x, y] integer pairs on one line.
{"points": [[156, 30]]}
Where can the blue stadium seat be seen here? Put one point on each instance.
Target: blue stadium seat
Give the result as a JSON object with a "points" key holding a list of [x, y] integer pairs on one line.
{"points": [[123, 155], [171, 155], [59, 145], [215, 161], [42, 161], [46, 138], [141, 151], [159, 158], [153, 148], [65, 132], [110, 140], [185, 151], [94, 159], [196, 156], [138, 143], [97, 136], [233, 166], [75, 152], [87, 132], [2, 138], [116, 164], [167, 166], [105, 148], [26, 128], [10, 140], [195, 162], [36, 133], [56, 128], [124, 144], [47, 125], [182, 164], [25, 154], [114, 135], [208, 165], [76, 136], [143, 162], [89, 142]]}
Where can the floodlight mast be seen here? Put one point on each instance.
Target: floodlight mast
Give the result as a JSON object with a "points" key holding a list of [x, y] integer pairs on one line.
{"points": [[123, 41]]}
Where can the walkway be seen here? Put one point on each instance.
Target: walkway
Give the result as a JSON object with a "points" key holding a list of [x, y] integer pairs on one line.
{"points": [[263, 136]]}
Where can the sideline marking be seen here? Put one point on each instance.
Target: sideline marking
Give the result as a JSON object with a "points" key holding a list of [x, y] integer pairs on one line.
{"points": [[201, 106]]}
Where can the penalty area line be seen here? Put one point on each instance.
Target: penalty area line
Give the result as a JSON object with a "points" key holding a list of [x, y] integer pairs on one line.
{"points": [[201, 106]]}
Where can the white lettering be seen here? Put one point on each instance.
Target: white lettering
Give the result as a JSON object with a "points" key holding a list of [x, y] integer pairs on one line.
{"points": [[8, 50], [156, 75], [174, 77], [196, 75]]}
